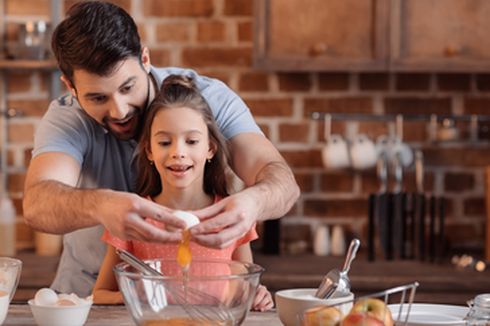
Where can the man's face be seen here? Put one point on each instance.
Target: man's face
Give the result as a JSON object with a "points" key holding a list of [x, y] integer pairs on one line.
{"points": [[117, 101]]}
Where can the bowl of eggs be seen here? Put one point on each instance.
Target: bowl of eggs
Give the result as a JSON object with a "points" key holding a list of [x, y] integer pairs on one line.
{"points": [[52, 309]]}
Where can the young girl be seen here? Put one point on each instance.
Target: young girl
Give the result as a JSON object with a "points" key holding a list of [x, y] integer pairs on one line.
{"points": [[181, 160]]}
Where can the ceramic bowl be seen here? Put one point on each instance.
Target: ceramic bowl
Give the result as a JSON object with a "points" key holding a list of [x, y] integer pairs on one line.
{"points": [[292, 303], [60, 315]]}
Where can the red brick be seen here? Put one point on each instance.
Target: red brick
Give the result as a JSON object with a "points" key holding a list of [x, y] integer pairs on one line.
{"points": [[211, 31], [265, 129], [302, 158], [160, 57], [336, 207], [414, 131], [341, 181], [294, 81], [412, 82], [474, 207], [178, 8], [410, 185], [28, 7], [374, 82], [175, 32], [413, 105], [457, 182], [338, 127], [30, 108], [477, 105], [15, 182], [245, 31], [457, 157], [20, 133], [125, 4], [19, 82], [271, 107], [454, 82], [218, 57], [483, 82], [305, 181], [294, 132], [333, 81], [373, 129], [10, 158], [338, 105], [254, 81], [296, 232], [142, 32], [27, 156], [222, 75], [460, 233], [238, 7]]}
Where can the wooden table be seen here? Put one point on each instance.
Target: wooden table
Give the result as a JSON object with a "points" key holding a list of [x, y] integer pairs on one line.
{"points": [[20, 314]]}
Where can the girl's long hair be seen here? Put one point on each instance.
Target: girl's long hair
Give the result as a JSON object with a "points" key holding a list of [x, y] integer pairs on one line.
{"points": [[176, 92]]}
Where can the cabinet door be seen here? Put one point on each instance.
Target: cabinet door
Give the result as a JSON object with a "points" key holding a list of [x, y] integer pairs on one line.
{"points": [[321, 34], [449, 35]]}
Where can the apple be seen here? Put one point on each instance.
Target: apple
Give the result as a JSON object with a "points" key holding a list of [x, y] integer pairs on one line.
{"points": [[375, 308], [322, 316], [361, 319]]}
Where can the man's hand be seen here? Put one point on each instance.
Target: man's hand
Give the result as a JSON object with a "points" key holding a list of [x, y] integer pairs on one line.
{"points": [[123, 215], [226, 221]]}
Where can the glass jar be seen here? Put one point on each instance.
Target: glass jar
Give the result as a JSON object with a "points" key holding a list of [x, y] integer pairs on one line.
{"points": [[479, 313]]}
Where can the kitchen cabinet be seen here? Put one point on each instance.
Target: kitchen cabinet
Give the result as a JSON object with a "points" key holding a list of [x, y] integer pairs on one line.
{"points": [[370, 35], [434, 35], [321, 35]]}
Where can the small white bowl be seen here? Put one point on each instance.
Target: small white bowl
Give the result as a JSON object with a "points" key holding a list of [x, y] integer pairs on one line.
{"points": [[60, 315], [291, 304]]}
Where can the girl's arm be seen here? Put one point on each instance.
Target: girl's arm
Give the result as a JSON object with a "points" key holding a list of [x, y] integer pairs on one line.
{"points": [[106, 289], [263, 298]]}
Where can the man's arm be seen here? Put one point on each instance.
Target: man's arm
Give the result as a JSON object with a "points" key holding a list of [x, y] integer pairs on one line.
{"points": [[271, 192], [53, 204]]}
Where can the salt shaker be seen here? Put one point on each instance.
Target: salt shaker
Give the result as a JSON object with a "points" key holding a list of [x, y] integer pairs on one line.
{"points": [[321, 241], [479, 313]]}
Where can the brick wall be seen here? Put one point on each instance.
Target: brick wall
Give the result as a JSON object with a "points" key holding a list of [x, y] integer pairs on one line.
{"points": [[215, 38]]}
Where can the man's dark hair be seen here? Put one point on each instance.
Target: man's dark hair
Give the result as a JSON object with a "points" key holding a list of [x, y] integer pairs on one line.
{"points": [[95, 36]]}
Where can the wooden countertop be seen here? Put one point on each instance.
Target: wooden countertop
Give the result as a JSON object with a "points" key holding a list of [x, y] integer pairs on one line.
{"points": [[20, 314], [439, 283]]}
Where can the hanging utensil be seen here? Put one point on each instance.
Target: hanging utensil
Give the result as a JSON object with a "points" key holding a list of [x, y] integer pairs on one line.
{"points": [[338, 281], [420, 206], [382, 202]]}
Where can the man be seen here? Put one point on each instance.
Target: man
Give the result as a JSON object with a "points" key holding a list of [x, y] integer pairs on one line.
{"points": [[79, 179]]}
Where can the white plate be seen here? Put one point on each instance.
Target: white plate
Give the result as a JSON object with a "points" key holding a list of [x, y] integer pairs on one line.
{"points": [[430, 314]]}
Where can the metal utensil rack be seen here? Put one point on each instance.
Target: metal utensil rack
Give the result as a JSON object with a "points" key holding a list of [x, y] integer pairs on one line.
{"points": [[406, 293]]}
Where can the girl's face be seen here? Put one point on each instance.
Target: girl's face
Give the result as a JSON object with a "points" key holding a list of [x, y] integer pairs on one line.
{"points": [[179, 147]]}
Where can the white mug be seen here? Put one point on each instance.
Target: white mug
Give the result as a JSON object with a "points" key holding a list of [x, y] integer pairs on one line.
{"points": [[363, 152], [393, 148], [335, 153]]}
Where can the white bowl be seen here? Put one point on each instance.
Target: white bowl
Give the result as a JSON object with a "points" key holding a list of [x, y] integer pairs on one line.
{"points": [[60, 315], [291, 304]]}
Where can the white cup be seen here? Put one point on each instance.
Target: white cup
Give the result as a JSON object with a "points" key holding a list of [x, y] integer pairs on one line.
{"points": [[335, 153], [395, 148], [363, 152]]}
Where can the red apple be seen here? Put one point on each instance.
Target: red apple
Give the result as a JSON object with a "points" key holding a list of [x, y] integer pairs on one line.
{"points": [[375, 308], [322, 316], [361, 319]]}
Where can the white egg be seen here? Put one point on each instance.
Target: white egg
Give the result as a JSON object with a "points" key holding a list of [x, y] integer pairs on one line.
{"points": [[188, 218], [45, 297]]}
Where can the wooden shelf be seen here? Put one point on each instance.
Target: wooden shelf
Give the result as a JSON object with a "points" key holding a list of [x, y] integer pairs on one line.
{"points": [[28, 64]]}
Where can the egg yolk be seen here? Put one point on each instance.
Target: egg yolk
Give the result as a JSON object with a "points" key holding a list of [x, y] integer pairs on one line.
{"points": [[184, 256]]}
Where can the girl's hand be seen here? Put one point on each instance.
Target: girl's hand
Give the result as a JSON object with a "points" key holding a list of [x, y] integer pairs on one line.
{"points": [[263, 299]]}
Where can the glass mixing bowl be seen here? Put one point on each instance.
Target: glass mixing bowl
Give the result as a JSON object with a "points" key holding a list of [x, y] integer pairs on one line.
{"points": [[214, 292]]}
